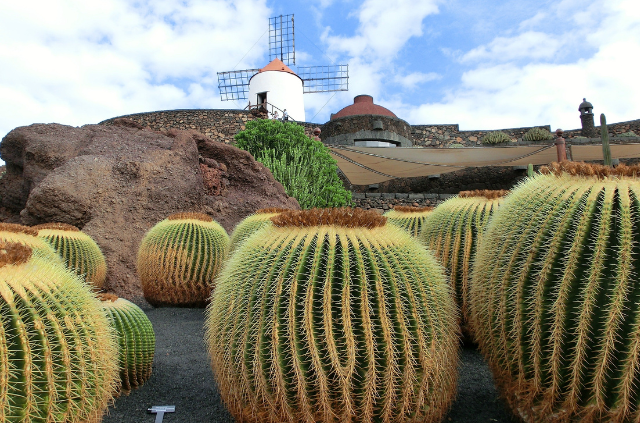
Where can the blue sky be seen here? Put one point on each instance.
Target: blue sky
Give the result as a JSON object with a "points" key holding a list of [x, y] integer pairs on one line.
{"points": [[483, 64]]}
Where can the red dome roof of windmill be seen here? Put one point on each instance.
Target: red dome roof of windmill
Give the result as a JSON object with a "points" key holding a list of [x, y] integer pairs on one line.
{"points": [[363, 105], [277, 65]]}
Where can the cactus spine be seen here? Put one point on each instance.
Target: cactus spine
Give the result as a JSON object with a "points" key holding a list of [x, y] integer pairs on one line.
{"points": [[58, 358], [78, 250], [606, 149], [332, 315], [411, 219], [251, 224], [452, 231], [179, 259], [12, 232], [554, 295], [136, 340]]}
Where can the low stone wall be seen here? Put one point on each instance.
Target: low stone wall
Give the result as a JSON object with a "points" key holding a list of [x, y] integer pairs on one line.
{"points": [[613, 129], [447, 136], [385, 201], [353, 124]]}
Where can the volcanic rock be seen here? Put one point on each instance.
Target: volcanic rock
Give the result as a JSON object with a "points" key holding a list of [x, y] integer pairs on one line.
{"points": [[116, 182]]}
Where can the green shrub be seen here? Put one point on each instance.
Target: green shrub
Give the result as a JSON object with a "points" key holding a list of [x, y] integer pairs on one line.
{"points": [[555, 291], [496, 137], [302, 165], [537, 134], [627, 134], [333, 315]]}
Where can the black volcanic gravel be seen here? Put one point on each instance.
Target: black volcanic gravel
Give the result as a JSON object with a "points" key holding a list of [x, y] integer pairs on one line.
{"points": [[182, 377]]}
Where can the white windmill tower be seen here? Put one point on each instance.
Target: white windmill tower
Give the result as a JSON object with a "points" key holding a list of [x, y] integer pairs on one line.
{"points": [[276, 88]]}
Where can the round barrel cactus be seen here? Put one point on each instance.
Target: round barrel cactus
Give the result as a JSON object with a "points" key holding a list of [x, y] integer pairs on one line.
{"points": [[25, 235], [555, 293], [179, 258], [77, 249], [411, 219], [136, 340], [333, 315], [452, 230], [58, 357], [251, 224]]}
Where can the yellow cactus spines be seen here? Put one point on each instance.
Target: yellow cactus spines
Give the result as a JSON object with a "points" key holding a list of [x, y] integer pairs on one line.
{"points": [[78, 250], [408, 218], [555, 293], [452, 230], [179, 258], [58, 357], [25, 235], [333, 315], [136, 340], [251, 224]]}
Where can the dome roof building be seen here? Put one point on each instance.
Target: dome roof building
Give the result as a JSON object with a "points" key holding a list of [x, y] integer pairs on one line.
{"points": [[366, 124]]}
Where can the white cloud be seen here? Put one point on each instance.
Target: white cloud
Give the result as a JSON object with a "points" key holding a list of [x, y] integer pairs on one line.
{"points": [[415, 78], [528, 45], [384, 28], [77, 62]]}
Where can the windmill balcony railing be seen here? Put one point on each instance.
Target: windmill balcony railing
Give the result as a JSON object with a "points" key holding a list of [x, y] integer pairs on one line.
{"points": [[273, 112]]}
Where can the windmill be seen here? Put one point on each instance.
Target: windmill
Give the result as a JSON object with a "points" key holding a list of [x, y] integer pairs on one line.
{"points": [[275, 88]]}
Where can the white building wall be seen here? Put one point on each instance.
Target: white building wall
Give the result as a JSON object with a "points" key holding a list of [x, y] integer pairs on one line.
{"points": [[284, 90]]}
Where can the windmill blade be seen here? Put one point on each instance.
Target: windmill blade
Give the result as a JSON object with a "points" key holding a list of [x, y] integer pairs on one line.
{"points": [[234, 85], [282, 39], [320, 79]]}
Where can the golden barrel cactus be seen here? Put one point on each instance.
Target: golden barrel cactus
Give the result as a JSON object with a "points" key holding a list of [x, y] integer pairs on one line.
{"points": [[179, 258], [136, 340], [58, 357], [411, 219], [555, 293], [78, 250], [333, 315], [25, 235], [251, 224], [452, 230]]}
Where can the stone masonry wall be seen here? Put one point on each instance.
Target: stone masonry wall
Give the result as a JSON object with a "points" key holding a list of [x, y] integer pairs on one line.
{"points": [[352, 124], [385, 201]]}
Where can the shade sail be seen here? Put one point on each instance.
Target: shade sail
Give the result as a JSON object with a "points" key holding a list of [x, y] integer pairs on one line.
{"points": [[371, 165]]}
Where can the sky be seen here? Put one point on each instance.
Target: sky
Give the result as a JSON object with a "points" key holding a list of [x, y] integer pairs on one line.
{"points": [[483, 64]]}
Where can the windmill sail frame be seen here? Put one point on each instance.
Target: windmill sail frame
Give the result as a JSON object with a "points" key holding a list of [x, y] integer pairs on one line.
{"points": [[234, 85], [322, 79], [282, 39]]}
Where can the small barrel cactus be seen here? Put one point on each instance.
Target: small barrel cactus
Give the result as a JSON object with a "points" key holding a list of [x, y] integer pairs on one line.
{"points": [[537, 134], [333, 315], [251, 224], [58, 357], [496, 137], [25, 235], [411, 219], [136, 340], [77, 249], [555, 292], [179, 258], [452, 230]]}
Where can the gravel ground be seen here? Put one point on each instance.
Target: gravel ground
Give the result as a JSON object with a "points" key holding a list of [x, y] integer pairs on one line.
{"points": [[182, 377]]}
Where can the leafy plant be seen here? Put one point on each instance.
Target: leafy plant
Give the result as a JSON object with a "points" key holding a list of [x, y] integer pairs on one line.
{"points": [[496, 137], [333, 315], [537, 134], [627, 134], [302, 165], [554, 294]]}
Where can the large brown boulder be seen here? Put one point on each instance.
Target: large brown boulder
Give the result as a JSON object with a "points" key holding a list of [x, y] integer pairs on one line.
{"points": [[116, 182]]}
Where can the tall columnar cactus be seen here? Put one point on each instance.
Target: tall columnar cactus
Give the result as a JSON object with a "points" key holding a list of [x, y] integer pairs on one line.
{"points": [[136, 340], [25, 235], [58, 357], [606, 149], [411, 219], [179, 259], [78, 250], [452, 230], [332, 315], [251, 224], [555, 292]]}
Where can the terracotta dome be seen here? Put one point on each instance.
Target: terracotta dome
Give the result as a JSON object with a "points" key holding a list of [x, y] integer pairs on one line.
{"points": [[363, 105]]}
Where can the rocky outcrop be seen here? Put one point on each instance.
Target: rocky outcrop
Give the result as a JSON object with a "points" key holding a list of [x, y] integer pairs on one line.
{"points": [[116, 182]]}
